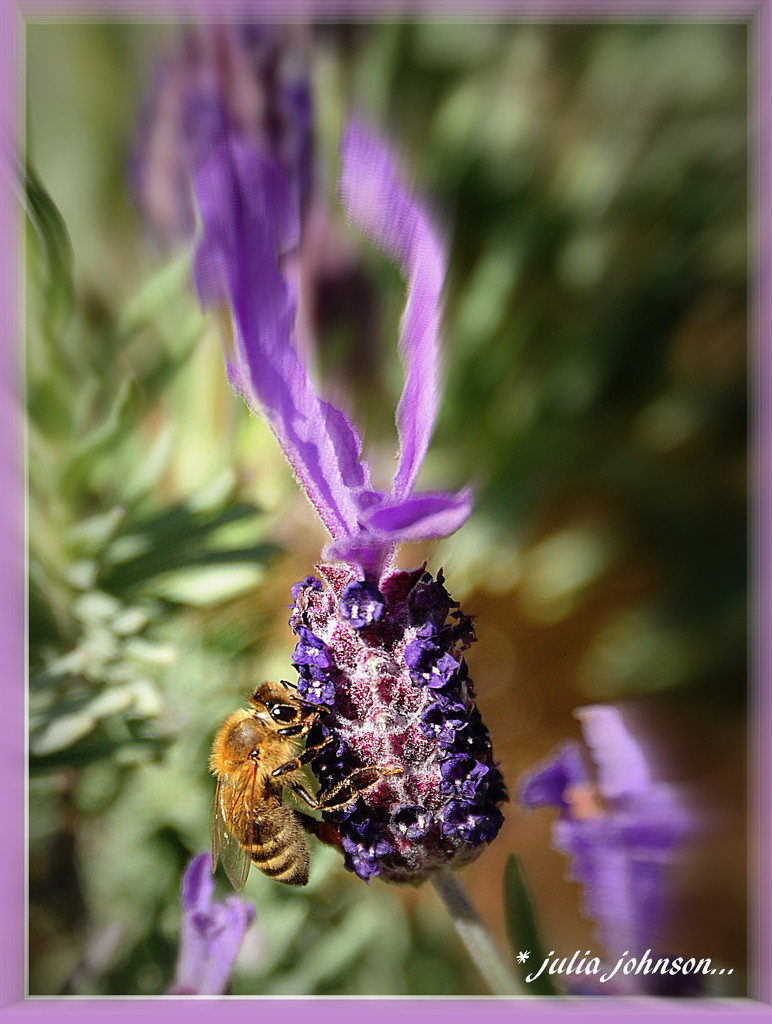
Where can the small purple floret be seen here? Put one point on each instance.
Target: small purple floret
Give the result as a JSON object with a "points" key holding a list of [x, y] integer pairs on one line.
{"points": [[314, 663], [361, 604], [412, 822], [309, 581], [310, 651], [463, 776], [473, 824], [429, 663], [364, 845], [444, 720]]}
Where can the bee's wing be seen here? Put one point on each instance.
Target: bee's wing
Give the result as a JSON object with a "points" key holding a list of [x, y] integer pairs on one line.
{"points": [[226, 848], [218, 829]]}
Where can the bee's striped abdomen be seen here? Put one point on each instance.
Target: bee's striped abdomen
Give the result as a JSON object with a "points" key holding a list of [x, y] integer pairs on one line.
{"points": [[279, 848]]}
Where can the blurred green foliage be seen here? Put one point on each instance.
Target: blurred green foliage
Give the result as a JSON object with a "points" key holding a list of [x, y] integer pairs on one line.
{"points": [[593, 181]]}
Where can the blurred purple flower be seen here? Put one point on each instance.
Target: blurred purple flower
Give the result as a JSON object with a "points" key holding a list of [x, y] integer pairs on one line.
{"points": [[249, 81], [620, 828], [381, 649], [211, 933]]}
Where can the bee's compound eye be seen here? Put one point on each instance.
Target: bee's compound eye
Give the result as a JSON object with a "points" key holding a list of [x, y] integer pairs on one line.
{"points": [[283, 713]]}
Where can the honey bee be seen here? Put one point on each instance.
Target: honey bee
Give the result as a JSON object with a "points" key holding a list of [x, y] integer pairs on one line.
{"points": [[255, 758]]}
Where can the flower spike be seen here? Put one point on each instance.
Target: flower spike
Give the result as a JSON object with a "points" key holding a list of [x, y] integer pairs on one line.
{"points": [[380, 650]]}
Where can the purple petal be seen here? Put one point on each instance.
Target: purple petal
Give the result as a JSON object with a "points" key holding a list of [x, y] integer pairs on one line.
{"points": [[364, 549], [602, 865], [386, 522], [249, 223], [420, 517], [546, 786], [250, 236], [191, 959], [622, 768], [379, 205], [624, 886], [197, 885], [215, 79], [230, 921], [353, 470]]}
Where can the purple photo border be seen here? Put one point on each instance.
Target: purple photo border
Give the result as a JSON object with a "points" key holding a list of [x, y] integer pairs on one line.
{"points": [[13, 16]]}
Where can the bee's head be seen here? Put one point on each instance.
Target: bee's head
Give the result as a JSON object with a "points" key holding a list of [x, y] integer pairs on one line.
{"points": [[275, 702]]}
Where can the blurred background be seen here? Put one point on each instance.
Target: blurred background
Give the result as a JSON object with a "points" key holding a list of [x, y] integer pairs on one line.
{"points": [[592, 181]]}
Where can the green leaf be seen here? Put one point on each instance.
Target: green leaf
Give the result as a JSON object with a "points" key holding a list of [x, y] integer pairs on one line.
{"points": [[522, 928], [155, 295], [62, 733], [56, 250], [176, 540], [333, 955], [203, 588], [105, 436]]}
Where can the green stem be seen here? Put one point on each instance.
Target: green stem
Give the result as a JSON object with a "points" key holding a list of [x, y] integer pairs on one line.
{"points": [[498, 977]]}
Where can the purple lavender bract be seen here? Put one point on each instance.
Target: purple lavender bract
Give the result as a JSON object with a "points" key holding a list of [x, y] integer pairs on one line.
{"points": [[444, 806]]}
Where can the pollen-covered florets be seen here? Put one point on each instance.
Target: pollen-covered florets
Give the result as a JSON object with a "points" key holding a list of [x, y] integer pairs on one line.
{"points": [[387, 661]]}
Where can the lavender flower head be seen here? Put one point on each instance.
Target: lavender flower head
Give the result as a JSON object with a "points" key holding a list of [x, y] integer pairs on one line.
{"points": [[211, 933], [621, 829], [380, 649]]}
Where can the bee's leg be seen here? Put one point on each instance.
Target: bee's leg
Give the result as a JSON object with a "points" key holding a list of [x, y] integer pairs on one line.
{"points": [[302, 792], [350, 788], [324, 833], [294, 730], [305, 757], [304, 726]]}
